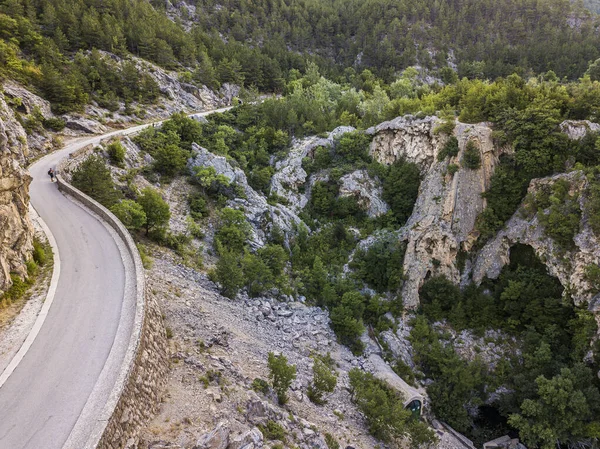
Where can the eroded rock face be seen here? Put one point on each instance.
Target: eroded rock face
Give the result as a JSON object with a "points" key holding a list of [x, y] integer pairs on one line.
{"points": [[366, 190], [290, 176], [443, 219], [218, 438], [567, 266], [16, 231], [27, 102], [83, 124], [406, 137], [261, 215], [578, 129]]}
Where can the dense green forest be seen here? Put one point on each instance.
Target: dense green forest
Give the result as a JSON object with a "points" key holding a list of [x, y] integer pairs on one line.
{"points": [[488, 38], [259, 44]]}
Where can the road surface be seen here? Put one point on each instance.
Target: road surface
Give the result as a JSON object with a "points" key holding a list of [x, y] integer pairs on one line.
{"points": [[91, 318]]}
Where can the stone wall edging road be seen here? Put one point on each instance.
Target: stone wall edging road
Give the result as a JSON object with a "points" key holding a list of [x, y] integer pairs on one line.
{"points": [[132, 399]]}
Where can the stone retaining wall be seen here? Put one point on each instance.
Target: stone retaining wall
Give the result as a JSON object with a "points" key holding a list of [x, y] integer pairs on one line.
{"points": [[135, 396]]}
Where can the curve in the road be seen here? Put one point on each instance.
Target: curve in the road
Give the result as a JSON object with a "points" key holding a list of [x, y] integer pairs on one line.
{"points": [[89, 323]]}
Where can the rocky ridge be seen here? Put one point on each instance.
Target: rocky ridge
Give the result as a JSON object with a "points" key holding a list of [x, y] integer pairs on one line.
{"points": [[260, 214], [290, 176], [214, 335], [568, 266], [443, 218]]}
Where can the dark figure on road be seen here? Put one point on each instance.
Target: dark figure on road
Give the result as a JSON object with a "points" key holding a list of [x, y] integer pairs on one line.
{"points": [[51, 174]]}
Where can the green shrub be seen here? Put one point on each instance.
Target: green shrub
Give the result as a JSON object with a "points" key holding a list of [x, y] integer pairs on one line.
{"points": [[18, 288], [404, 371], [401, 188], [32, 267], [507, 188], [54, 124], [198, 206], [156, 209], [177, 241], [39, 252], [93, 178], [229, 273], [446, 126], [260, 178], [561, 223], [282, 375], [353, 147], [260, 386], [194, 229], [210, 181], [331, 442], [471, 158], [272, 431], [346, 321], [130, 213], [170, 160], [438, 296], [233, 230], [450, 148], [258, 278], [380, 265], [452, 169], [116, 153], [324, 381], [321, 160], [592, 276]]}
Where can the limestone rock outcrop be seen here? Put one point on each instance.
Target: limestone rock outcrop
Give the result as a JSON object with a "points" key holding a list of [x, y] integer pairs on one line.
{"points": [[577, 129], [568, 266], [16, 230], [28, 107], [443, 218], [25, 101], [290, 176], [365, 190], [218, 438], [261, 215], [406, 137]]}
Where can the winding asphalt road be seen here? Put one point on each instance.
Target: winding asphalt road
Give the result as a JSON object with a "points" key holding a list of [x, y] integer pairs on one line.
{"points": [[51, 398]]}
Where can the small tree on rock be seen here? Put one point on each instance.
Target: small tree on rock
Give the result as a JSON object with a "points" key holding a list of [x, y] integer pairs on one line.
{"points": [[229, 273], [282, 375], [130, 213], [324, 381], [116, 152], [156, 209], [93, 178]]}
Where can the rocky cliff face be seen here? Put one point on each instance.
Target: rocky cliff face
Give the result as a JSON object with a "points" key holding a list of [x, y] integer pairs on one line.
{"points": [[577, 129], [444, 215], [568, 266], [260, 214], [289, 176], [16, 231]]}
